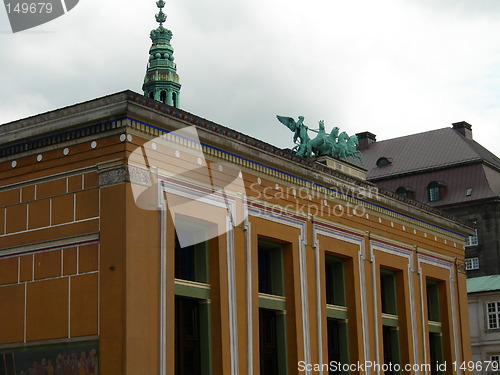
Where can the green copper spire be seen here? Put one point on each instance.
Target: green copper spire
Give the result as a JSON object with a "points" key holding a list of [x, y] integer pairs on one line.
{"points": [[162, 81]]}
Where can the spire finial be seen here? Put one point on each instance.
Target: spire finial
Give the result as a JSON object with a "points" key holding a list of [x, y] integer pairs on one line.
{"points": [[162, 81], [161, 17]]}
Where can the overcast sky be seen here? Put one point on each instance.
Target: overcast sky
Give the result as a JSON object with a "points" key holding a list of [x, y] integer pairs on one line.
{"points": [[391, 67]]}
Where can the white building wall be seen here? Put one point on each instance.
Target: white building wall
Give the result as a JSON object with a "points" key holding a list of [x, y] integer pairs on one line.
{"points": [[485, 342]]}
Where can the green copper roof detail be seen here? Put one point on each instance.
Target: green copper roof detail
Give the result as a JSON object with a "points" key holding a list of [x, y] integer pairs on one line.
{"points": [[162, 81], [161, 17], [483, 284], [340, 146]]}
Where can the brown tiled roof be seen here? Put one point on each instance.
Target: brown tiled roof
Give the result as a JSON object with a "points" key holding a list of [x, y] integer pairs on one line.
{"points": [[430, 150], [442, 155], [483, 181]]}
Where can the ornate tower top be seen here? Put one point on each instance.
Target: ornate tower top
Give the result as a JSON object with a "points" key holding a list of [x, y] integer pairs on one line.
{"points": [[162, 81]]}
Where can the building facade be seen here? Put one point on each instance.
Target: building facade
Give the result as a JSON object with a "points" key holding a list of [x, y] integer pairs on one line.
{"points": [[137, 238], [484, 310], [447, 169]]}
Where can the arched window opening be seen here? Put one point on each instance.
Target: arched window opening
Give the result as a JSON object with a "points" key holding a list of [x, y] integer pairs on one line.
{"points": [[163, 96], [383, 161], [152, 95], [174, 99], [403, 191]]}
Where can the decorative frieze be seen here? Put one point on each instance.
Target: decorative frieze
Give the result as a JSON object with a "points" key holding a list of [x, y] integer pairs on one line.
{"points": [[113, 177], [117, 172], [139, 176]]}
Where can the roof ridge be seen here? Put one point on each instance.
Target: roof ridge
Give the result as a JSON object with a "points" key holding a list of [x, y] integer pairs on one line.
{"points": [[473, 144], [412, 135]]}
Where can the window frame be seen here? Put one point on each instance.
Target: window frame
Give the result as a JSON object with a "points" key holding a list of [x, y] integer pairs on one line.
{"points": [[435, 191], [197, 288], [471, 263], [199, 262], [335, 274], [383, 161], [472, 240], [388, 292], [390, 315], [434, 323], [275, 301], [402, 191], [493, 314], [336, 307]]}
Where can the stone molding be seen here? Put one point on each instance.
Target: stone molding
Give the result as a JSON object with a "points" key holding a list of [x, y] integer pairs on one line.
{"points": [[118, 172], [112, 173]]}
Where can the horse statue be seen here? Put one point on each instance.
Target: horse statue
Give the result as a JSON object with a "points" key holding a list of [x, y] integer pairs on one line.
{"points": [[341, 146], [328, 147], [318, 141], [333, 144], [352, 142]]}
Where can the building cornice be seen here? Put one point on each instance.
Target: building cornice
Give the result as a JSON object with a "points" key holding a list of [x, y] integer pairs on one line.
{"points": [[100, 116]]}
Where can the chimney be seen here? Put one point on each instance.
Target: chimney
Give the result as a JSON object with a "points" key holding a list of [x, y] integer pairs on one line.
{"points": [[463, 128], [365, 140]]}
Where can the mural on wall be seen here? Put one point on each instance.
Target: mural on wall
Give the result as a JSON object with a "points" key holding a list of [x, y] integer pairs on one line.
{"points": [[65, 359]]}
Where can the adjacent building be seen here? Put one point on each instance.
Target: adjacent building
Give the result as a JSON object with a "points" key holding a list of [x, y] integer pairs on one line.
{"points": [[447, 169], [484, 310]]}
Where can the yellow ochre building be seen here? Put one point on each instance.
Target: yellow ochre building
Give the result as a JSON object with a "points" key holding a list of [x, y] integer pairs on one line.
{"points": [[137, 238], [288, 262]]}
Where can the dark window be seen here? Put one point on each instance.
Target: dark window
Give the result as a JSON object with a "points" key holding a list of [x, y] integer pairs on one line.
{"points": [[333, 327], [192, 308], [265, 280], [334, 273], [268, 342], [390, 322], [187, 337], [336, 310], [404, 192], [383, 161], [434, 326], [270, 268], [7, 364], [174, 99], [163, 96], [184, 262], [391, 343], [191, 262], [436, 351], [152, 95], [433, 301], [388, 292], [272, 316]]}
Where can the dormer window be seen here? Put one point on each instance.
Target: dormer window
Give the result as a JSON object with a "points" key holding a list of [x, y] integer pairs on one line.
{"points": [[436, 191], [404, 191], [383, 161]]}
